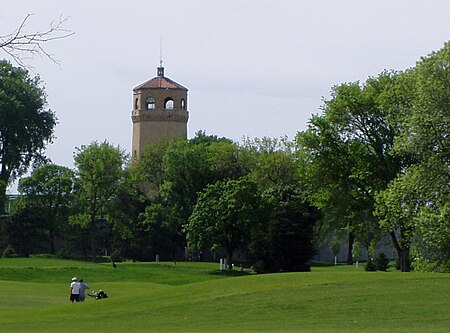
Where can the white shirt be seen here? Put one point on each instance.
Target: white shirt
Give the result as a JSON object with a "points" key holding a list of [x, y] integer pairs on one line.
{"points": [[75, 286]]}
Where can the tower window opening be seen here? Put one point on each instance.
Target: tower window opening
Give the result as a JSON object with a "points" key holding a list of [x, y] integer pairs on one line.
{"points": [[150, 102], [168, 104], [183, 104], [136, 103]]}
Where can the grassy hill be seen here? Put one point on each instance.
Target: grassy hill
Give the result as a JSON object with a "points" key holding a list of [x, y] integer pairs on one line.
{"points": [[196, 297]]}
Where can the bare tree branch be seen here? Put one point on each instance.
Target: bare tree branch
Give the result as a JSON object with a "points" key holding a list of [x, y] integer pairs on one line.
{"points": [[18, 43]]}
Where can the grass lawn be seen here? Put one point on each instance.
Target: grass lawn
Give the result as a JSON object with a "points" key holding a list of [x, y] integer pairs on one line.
{"points": [[196, 297]]}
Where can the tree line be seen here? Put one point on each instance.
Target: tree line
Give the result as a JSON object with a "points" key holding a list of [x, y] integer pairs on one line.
{"points": [[374, 162]]}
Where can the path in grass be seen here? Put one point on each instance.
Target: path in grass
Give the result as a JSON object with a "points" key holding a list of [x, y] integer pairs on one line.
{"points": [[332, 299]]}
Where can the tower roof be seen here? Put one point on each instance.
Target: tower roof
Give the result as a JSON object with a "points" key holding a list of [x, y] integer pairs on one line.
{"points": [[160, 82]]}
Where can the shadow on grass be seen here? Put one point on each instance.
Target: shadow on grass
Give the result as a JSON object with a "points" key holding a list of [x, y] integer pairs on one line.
{"points": [[230, 273]]}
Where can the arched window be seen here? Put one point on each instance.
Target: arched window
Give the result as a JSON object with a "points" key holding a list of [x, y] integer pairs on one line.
{"points": [[183, 104], [150, 103], [136, 103], [168, 103]]}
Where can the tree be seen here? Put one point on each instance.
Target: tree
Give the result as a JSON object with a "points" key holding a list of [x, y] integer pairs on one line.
{"points": [[24, 231], [224, 215], [285, 241], [273, 162], [397, 207], [363, 118], [172, 173], [188, 166], [426, 115], [228, 160], [26, 126], [163, 229], [49, 188], [417, 200], [331, 167], [426, 135], [131, 241], [99, 172], [150, 169], [186, 172], [19, 42]]}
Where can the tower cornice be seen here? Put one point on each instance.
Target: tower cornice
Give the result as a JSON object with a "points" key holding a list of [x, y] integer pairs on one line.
{"points": [[180, 116]]}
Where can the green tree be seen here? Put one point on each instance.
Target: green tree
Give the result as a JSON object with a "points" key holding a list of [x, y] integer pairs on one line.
{"points": [[224, 216], [99, 173], [131, 239], [397, 207], [284, 242], [228, 160], [426, 112], [416, 202], [202, 138], [331, 168], [50, 188], [172, 173], [150, 169], [26, 126], [24, 231], [363, 121], [186, 172], [189, 166], [163, 228], [272, 162]]}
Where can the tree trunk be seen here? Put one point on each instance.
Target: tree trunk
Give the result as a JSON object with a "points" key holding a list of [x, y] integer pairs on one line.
{"points": [[230, 258], [404, 260], [402, 253], [396, 244], [3, 186], [93, 243], [351, 240]]}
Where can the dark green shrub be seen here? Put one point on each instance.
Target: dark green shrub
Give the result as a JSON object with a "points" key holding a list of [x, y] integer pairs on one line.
{"points": [[381, 262], [370, 266]]}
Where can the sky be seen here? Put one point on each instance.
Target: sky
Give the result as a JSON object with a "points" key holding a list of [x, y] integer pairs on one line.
{"points": [[256, 68]]}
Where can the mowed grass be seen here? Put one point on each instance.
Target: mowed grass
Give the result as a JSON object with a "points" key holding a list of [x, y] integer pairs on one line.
{"points": [[196, 297]]}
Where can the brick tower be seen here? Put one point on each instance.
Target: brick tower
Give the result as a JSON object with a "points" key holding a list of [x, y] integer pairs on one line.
{"points": [[159, 111]]}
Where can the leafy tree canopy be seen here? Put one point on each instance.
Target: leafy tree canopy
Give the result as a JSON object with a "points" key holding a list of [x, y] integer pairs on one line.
{"points": [[99, 173], [26, 126], [224, 215], [50, 187]]}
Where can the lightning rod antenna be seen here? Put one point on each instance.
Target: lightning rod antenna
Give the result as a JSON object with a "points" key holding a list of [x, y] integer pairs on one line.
{"points": [[160, 70], [160, 50]]}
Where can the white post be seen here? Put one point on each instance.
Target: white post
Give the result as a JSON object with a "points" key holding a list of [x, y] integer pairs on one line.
{"points": [[157, 258], [221, 264], [356, 264], [335, 260]]}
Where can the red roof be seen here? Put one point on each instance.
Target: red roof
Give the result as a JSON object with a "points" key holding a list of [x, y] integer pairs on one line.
{"points": [[160, 82]]}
